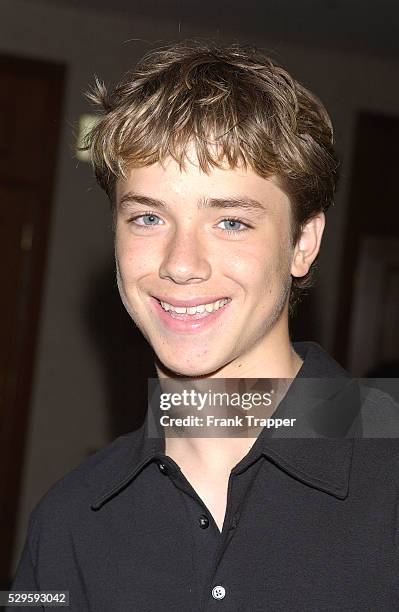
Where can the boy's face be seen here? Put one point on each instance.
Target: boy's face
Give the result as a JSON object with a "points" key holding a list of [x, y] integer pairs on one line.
{"points": [[173, 244]]}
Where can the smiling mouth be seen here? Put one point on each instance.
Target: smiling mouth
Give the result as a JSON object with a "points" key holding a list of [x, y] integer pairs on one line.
{"points": [[192, 310], [199, 311]]}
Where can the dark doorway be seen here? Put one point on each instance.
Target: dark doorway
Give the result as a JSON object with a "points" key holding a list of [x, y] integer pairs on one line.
{"points": [[367, 324], [30, 110]]}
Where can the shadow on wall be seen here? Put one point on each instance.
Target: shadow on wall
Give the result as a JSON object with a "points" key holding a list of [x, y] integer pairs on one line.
{"points": [[305, 325], [126, 356]]}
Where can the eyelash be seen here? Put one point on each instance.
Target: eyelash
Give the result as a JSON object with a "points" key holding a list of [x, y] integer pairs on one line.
{"points": [[229, 231]]}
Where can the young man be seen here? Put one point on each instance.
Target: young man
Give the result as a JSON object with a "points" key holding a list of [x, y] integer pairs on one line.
{"points": [[220, 167]]}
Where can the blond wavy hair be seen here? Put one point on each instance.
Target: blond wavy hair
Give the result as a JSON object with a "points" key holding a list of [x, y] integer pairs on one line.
{"points": [[233, 104]]}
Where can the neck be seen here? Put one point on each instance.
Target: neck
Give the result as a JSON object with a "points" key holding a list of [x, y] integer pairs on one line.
{"points": [[266, 360]]}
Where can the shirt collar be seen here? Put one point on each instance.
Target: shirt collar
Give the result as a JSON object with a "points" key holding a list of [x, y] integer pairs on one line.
{"points": [[327, 417]]}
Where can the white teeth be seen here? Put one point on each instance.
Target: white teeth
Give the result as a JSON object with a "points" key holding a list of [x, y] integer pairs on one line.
{"points": [[194, 309]]}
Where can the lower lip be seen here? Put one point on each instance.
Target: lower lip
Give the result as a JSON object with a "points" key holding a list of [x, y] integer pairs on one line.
{"points": [[191, 323]]}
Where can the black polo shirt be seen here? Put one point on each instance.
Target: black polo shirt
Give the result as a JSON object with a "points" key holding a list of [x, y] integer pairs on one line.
{"points": [[311, 524]]}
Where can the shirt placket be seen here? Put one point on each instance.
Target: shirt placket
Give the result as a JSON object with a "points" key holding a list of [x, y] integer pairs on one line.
{"points": [[209, 545], [217, 592]]}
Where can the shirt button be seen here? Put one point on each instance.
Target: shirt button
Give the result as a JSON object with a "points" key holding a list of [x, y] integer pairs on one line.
{"points": [[218, 592], [203, 521], [163, 468]]}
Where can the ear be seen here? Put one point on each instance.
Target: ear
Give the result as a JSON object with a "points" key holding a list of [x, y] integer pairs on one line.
{"points": [[308, 245]]}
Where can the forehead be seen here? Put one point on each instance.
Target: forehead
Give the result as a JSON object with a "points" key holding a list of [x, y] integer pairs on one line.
{"points": [[173, 184]]}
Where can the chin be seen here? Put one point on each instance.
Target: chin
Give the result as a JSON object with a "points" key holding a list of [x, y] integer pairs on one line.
{"points": [[176, 368]]}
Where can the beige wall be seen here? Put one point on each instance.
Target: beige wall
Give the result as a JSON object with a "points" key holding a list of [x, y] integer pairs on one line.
{"points": [[68, 415]]}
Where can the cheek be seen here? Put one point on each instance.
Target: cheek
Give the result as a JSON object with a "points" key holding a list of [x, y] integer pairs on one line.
{"points": [[262, 271], [252, 266], [135, 257]]}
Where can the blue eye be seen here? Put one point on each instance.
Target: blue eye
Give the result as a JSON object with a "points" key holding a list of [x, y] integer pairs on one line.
{"points": [[232, 225], [149, 216]]}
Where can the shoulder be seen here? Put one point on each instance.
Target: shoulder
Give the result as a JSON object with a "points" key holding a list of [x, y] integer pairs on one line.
{"points": [[379, 413], [70, 497]]}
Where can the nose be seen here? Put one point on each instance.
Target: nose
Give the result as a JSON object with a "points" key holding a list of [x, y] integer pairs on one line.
{"points": [[185, 260]]}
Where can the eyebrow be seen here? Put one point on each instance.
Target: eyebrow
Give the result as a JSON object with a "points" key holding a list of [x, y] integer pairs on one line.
{"points": [[245, 203]]}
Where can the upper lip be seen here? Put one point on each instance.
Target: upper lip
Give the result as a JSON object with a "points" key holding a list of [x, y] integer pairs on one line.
{"points": [[191, 302]]}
